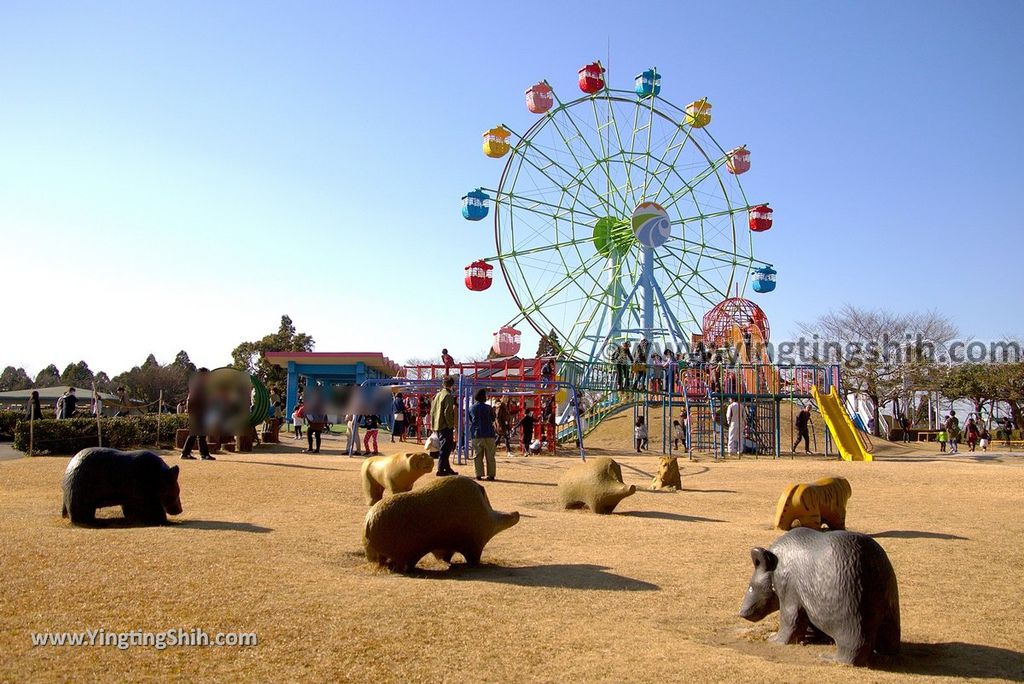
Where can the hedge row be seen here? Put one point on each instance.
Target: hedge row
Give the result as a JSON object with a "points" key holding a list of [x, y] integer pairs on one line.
{"points": [[74, 434], [8, 419]]}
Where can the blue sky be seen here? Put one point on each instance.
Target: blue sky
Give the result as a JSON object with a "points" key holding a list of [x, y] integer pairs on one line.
{"points": [[178, 175]]}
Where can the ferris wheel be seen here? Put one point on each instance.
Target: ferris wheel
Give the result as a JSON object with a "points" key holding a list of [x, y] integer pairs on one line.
{"points": [[617, 214]]}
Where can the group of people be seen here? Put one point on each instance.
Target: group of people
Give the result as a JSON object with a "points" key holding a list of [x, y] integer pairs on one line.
{"points": [[66, 405], [488, 423], [680, 426], [973, 434], [643, 368]]}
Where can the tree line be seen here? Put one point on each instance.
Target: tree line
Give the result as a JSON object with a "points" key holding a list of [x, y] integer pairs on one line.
{"points": [[146, 380]]}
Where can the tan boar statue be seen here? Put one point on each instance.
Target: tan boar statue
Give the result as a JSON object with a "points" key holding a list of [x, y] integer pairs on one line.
{"points": [[596, 485], [393, 474], [447, 516]]}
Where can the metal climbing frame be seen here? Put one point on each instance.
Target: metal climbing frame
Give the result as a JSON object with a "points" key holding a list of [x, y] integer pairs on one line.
{"points": [[470, 385], [467, 386]]}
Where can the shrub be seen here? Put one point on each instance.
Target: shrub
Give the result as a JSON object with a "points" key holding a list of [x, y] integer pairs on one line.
{"points": [[74, 434], [7, 421]]}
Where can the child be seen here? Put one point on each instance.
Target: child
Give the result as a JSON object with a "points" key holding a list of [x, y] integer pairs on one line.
{"points": [[298, 415], [942, 441], [640, 433], [371, 424], [527, 424], [984, 439], [432, 445], [678, 436]]}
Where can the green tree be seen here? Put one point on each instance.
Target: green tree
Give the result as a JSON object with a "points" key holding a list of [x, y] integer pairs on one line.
{"points": [[14, 379], [182, 361], [77, 375], [249, 356], [976, 382], [1009, 387], [549, 345], [48, 377], [146, 381]]}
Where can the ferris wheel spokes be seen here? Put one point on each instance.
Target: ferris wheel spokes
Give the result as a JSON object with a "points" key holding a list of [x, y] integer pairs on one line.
{"points": [[527, 145], [580, 248]]}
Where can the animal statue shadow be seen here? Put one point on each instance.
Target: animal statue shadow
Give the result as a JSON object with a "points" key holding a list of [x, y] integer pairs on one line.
{"points": [[840, 584], [596, 485], [447, 516], [140, 482]]}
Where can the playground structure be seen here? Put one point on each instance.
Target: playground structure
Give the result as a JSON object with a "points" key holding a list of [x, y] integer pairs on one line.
{"points": [[618, 218]]}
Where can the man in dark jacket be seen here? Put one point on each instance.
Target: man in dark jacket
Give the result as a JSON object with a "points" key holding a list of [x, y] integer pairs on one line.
{"points": [[195, 406], [482, 435], [68, 407]]}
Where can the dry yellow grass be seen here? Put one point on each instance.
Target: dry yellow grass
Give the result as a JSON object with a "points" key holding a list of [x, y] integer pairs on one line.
{"points": [[270, 543]]}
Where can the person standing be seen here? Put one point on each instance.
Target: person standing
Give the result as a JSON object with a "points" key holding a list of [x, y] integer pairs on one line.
{"points": [[97, 404], [941, 437], [803, 424], [69, 403], [678, 435], [640, 364], [655, 371], [640, 433], [504, 421], [447, 361], [905, 426], [442, 421], [34, 411], [195, 405], [398, 411], [482, 436], [371, 423], [547, 420], [298, 417], [316, 420], [124, 405], [352, 428], [971, 434], [983, 438], [953, 431], [547, 373], [734, 417], [670, 371], [527, 425], [623, 359]]}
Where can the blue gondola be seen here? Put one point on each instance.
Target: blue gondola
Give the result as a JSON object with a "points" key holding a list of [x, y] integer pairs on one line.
{"points": [[764, 279], [648, 83], [474, 205]]}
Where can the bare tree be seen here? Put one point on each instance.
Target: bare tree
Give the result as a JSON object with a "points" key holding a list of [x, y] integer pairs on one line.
{"points": [[883, 355]]}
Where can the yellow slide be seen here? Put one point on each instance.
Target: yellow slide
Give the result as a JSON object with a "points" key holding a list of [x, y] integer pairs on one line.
{"points": [[840, 425]]}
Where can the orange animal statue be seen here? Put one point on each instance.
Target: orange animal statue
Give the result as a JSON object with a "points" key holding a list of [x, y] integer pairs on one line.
{"points": [[810, 505]]}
